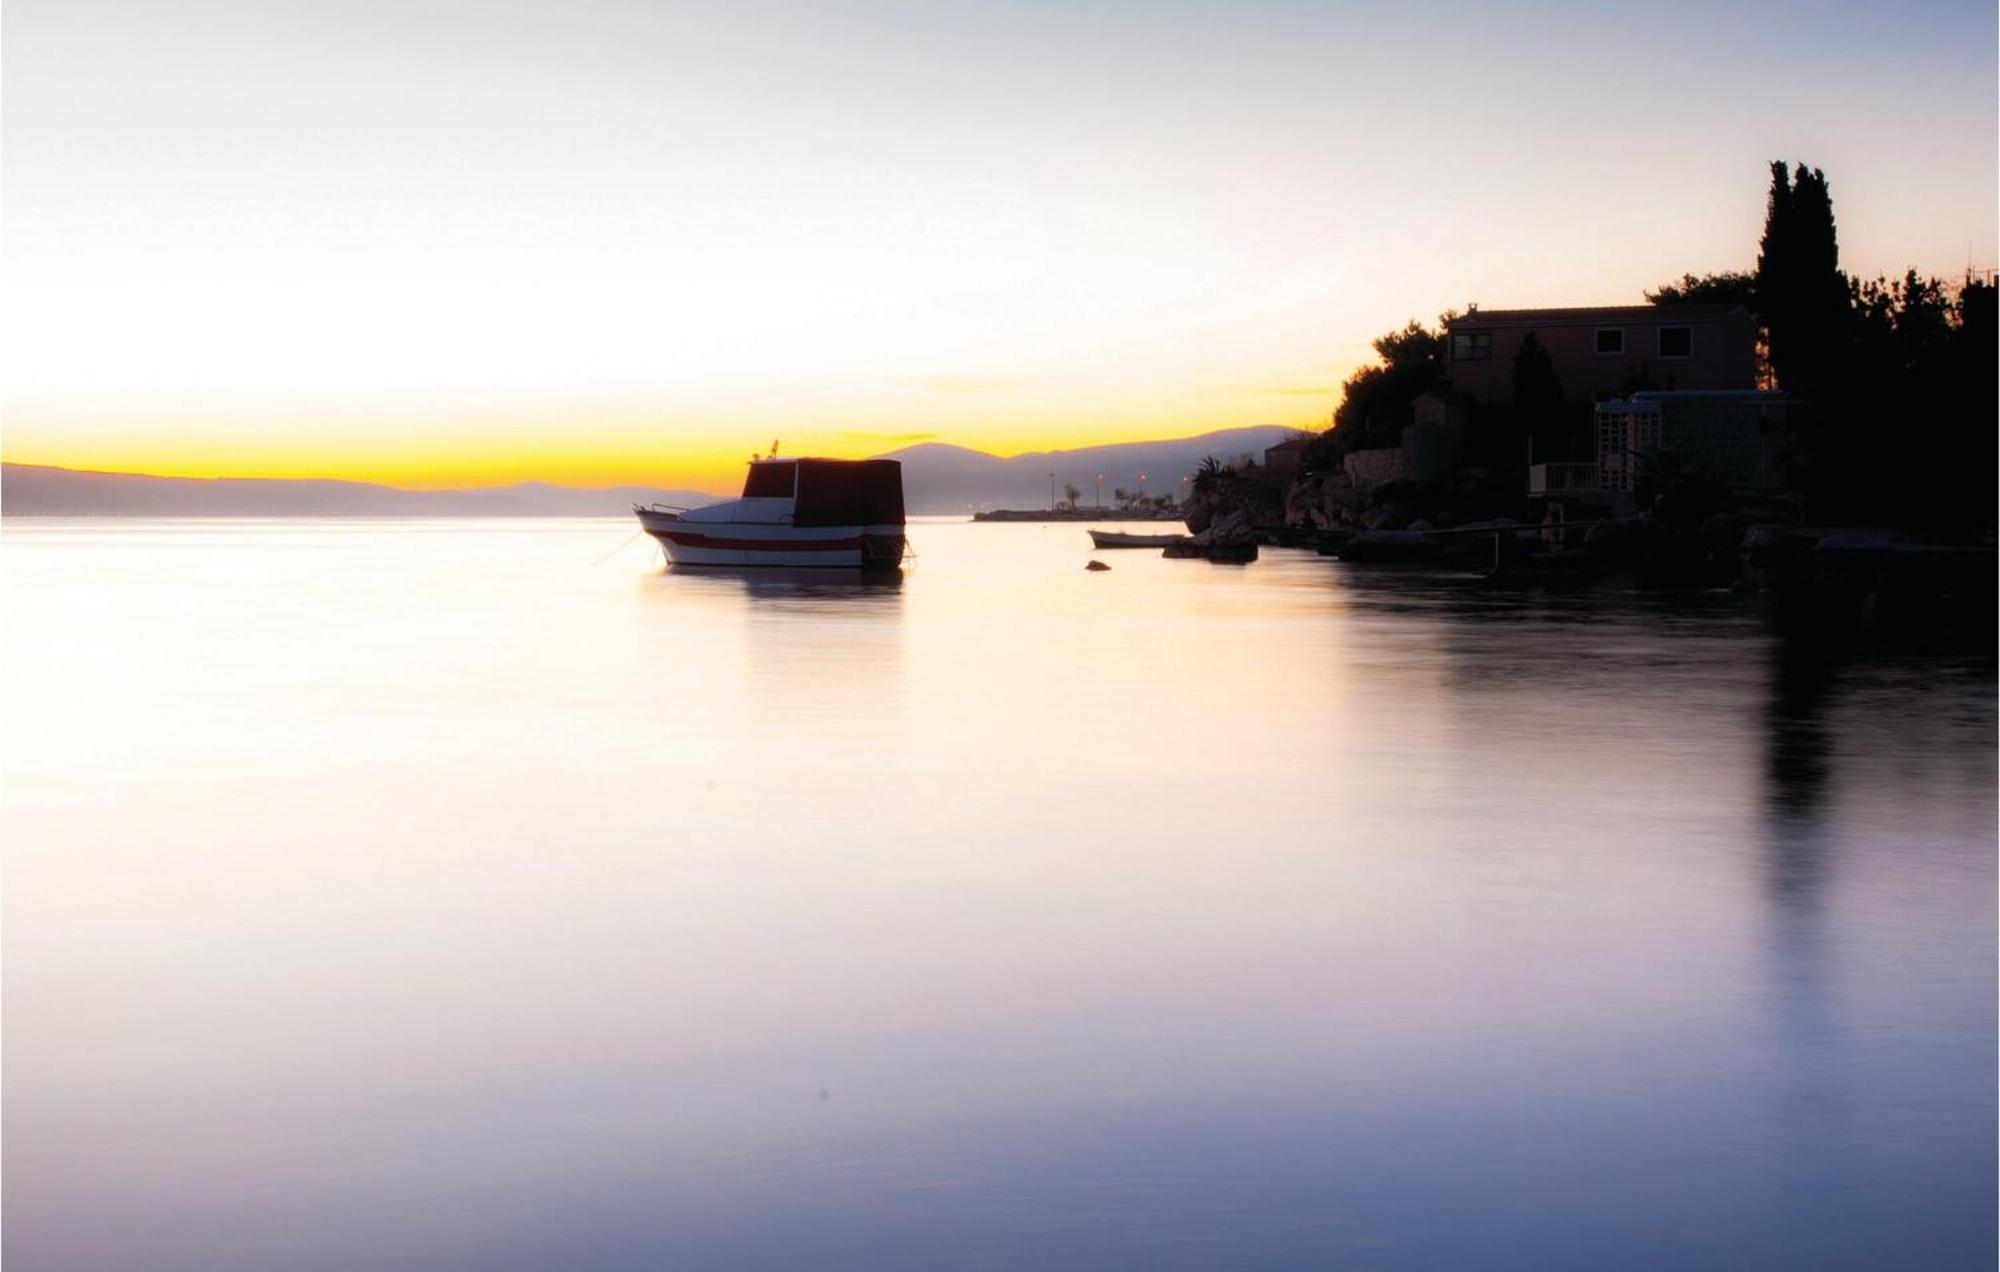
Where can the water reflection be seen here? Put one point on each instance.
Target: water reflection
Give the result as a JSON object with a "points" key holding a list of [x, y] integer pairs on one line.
{"points": [[780, 581], [1811, 1104], [476, 907], [1854, 725], [1803, 674]]}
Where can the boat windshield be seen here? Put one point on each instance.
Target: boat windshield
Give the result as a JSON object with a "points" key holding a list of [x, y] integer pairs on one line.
{"points": [[769, 481]]}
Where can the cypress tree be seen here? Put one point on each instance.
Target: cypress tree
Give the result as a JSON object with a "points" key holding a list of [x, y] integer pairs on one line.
{"points": [[1774, 268], [1801, 294], [1812, 228]]}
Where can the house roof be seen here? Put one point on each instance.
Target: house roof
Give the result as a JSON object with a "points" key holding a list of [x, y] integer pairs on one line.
{"points": [[1292, 443], [1596, 315]]}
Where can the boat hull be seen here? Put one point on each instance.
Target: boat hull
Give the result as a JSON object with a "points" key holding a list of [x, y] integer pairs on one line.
{"points": [[741, 544], [1118, 539]]}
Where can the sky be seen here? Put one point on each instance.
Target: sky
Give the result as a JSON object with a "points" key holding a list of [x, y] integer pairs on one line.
{"points": [[451, 243]]}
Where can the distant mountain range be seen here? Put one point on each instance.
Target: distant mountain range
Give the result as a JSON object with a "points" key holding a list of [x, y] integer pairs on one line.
{"points": [[36, 491], [936, 479]]}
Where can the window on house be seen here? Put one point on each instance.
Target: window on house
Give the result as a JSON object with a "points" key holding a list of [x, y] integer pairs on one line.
{"points": [[1677, 342], [1471, 346], [1611, 339]]}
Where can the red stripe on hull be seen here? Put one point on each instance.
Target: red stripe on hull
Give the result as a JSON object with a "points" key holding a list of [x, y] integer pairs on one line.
{"points": [[688, 540]]}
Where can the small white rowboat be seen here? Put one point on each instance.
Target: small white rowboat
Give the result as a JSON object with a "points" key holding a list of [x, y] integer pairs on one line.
{"points": [[1119, 539]]}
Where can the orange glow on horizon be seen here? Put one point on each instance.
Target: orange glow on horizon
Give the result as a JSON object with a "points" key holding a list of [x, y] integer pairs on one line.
{"points": [[444, 250], [454, 454]]}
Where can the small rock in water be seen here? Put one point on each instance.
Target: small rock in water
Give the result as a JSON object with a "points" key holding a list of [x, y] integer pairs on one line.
{"points": [[1097, 565]]}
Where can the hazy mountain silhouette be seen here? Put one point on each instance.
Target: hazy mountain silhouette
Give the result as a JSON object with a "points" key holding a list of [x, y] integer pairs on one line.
{"points": [[937, 478], [37, 491]]}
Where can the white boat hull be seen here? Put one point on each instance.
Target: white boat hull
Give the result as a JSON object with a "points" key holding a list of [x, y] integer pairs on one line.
{"points": [[743, 544], [1120, 539]]}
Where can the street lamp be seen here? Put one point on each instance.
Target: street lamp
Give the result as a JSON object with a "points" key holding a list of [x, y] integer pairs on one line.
{"points": [[1100, 492]]}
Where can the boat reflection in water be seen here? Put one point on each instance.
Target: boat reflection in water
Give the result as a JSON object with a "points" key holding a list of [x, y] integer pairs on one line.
{"points": [[796, 581], [795, 514]]}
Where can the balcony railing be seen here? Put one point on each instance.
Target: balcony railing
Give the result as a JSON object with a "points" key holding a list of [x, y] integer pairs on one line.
{"points": [[1564, 479]]}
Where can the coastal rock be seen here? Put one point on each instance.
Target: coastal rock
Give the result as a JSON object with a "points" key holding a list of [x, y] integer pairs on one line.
{"points": [[1197, 511], [1302, 501], [1325, 501], [1096, 565], [1230, 524], [1259, 498], [1230, 527], [1227, 537]]}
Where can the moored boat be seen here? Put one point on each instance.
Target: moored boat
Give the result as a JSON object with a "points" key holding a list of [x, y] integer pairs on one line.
{"points": [[1119, 539], [824, 513]]}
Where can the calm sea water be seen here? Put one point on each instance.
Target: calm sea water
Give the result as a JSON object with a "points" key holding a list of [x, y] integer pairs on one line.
{"points": [[446, 895]]}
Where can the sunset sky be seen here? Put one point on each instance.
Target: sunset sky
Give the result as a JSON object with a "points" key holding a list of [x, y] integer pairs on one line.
{"points": [[456, 243]]}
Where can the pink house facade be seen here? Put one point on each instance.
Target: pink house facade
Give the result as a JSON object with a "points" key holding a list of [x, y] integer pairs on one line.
{"points": [[1606, 352]]}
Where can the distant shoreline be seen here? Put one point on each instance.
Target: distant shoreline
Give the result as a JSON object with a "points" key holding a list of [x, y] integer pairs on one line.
{"points": [[938, 479], [35, 490]]}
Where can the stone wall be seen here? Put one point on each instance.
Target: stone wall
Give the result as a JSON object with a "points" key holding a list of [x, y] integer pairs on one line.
{"points": [[1368, 469]]}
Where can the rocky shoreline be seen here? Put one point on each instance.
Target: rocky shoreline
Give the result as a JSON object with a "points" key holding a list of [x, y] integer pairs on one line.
{"points": [[1685, 539]]}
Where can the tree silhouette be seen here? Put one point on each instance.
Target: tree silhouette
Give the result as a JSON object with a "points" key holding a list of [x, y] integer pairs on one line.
{"points": [[1209, 474], [1536, 387], [1729, 286], [1908, 432], [1539, 405], [1800, 292], [1378, 402]]}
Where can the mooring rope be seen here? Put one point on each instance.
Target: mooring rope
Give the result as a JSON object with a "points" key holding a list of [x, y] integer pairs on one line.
{"points": [[615, 551]]}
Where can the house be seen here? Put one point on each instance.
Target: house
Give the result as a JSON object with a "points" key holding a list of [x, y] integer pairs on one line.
{"points": [[1732, 435], [1606, 352], [1285, 459]]}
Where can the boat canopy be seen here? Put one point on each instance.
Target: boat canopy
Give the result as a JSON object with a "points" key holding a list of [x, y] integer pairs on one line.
{"points": [[770, 479], [848, 492]]}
